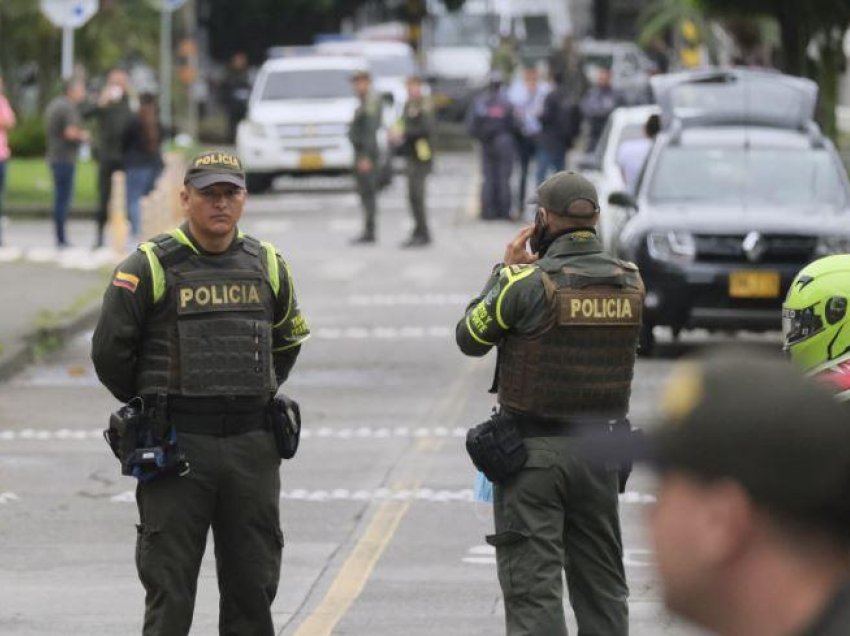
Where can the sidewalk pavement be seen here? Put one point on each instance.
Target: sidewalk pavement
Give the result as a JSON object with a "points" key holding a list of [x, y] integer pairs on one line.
{"points": [[46, 295]]}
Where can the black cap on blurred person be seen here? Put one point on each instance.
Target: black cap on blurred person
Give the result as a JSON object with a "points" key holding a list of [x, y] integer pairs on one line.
{"points": [[755, 420]]}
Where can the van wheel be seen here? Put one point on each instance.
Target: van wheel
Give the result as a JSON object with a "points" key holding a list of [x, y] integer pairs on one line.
{"points": [[258, 182], [646, 341]]}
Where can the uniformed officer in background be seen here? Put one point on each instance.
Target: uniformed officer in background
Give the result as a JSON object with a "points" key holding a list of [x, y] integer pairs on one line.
{"points": [[565, 317], [202, 324], [490, 120], [363, 134], [816, 322], [750, 527], [414, 135]]}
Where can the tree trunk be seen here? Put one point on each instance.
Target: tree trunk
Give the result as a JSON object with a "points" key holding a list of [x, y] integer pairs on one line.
{"points": [[828, 66], [794, 36]]}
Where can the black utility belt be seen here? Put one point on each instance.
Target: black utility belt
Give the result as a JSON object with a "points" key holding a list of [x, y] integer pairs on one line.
{"points": [[531, 426], [221, 425]]}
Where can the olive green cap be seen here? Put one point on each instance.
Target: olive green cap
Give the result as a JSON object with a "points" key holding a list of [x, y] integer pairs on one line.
{"points": [[361, 73], [215, 166], [559, 191]]}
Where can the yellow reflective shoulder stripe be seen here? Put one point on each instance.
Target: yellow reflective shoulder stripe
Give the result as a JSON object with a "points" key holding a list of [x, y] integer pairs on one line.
{"points": [[291, 294], [272, 267], [157, 272], [178, 235], [512, 278], [475, 336], [292, 344]]}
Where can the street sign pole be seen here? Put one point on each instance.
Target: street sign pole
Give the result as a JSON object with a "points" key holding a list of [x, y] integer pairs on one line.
{"points": [[68, 15], [67, 52], [165, 46]]}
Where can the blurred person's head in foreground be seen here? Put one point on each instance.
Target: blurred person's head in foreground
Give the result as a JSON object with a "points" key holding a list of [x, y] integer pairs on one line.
{"points": [[751, 526]]}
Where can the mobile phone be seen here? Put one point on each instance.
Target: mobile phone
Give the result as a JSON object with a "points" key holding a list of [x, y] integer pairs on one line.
{"points": [[536, 239]]}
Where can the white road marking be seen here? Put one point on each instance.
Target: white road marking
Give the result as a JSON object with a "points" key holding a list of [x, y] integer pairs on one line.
{"points": [[486, 555], [443, 495], [637, 558], [382, 333], [391, 300], [6, 497]]}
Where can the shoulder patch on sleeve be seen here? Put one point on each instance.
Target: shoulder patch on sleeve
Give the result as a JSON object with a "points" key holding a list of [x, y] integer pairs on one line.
{"points": [[128, 281]]}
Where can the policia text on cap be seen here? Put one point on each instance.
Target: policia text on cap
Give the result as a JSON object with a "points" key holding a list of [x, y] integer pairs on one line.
{"points": [[200, 327], [565, 318]]}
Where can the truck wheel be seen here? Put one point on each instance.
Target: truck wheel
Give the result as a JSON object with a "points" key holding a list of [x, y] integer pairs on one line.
{"points": [[258, 182], [646, 341]]}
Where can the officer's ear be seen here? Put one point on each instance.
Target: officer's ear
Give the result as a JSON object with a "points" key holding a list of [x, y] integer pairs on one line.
{"points": [[184, 198]]}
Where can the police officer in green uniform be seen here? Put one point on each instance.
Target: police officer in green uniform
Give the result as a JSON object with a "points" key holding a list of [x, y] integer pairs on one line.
{"points": [[203, 325], [415, 136], [565, 318], [363, 134]]}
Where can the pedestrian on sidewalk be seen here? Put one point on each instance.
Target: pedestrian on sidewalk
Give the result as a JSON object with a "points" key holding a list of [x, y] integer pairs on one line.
{"points": [[142, 158], [7, 122], [490, 120], [415, 137], [597, 104], [112, 113], [363, 134], [559, 126], [65, 133], [528, 97]]}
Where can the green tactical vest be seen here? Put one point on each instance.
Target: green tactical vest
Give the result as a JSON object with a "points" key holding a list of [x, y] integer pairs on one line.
{"points": [[210, 331], [582, 360]]}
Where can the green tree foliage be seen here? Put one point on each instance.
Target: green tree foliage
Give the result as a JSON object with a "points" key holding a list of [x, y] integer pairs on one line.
{"points": [[814, 24], [30, 46], [817, 25]]}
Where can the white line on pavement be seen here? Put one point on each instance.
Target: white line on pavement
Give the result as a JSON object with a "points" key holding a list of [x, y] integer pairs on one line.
{"points": [[463, 495], [389, 300], [362, 432], [6, 497], [382, 333]]}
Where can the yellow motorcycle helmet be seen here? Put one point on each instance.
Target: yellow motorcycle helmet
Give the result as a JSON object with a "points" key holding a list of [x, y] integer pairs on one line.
{"points": [[815, 317]]}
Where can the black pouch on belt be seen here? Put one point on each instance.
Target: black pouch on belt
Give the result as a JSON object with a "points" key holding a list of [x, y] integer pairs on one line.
{"points": [[284, 416], [496, 447]]}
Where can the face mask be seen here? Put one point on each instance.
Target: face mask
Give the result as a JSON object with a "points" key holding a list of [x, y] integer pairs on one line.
{"points": [[483, 489], [536, 240]]}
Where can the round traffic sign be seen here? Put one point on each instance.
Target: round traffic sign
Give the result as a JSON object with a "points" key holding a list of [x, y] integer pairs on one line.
{"points": [[68, 13]]}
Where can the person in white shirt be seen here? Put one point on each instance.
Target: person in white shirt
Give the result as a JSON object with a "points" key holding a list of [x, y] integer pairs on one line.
{"points": [[527, 98], [632, 154]]}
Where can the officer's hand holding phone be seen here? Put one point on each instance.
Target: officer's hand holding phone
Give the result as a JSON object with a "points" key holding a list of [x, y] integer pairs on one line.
{"points": [[516, 253]]}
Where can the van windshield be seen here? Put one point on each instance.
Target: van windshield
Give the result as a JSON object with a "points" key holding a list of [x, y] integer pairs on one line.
{"points": [[392, 66], [465, 29], [768, 176], [307, 84]]}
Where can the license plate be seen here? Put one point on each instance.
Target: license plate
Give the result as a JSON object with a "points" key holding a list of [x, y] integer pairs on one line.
{"points": [[311, 161], [747, 284]]}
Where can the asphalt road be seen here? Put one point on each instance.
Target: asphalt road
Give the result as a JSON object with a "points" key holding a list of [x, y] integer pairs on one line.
{"points": [[382, 536]]}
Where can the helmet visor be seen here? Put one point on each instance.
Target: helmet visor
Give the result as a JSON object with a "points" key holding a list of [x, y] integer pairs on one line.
{"points": [[799, 324]]}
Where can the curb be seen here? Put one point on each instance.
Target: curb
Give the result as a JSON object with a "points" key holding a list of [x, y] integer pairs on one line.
{"points": [[22, 353]]}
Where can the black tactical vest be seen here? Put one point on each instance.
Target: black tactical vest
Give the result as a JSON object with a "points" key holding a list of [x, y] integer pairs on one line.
{"points": [[210, 333], [582, 360]]}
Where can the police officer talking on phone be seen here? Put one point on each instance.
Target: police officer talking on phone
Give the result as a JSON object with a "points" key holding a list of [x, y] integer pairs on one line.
{"points": [[565, 318], [199, 328]]}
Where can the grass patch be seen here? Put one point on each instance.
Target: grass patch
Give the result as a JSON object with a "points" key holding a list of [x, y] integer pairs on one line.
{"points": [[30, 184]]}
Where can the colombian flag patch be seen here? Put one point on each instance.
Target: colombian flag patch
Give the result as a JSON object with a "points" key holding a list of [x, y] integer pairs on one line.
{"points": [[127, 281]]}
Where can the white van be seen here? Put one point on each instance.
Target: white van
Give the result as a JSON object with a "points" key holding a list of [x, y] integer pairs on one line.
{"points": [[298, 118]]}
